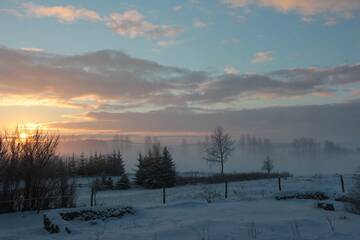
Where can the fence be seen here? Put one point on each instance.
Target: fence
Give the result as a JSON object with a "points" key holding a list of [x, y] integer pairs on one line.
{"points": [[20, 204], [227, 189], [231, 190]]}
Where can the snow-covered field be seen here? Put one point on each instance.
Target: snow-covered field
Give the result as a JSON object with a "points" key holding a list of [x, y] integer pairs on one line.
{"points": [[250, 212]]}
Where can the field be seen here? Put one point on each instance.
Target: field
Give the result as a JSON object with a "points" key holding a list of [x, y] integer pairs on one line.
{"points": [[249, 212]]}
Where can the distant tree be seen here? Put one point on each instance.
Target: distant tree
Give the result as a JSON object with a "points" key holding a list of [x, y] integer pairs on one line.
{"points": [[184, 145], [147, 143], [241, 141], [268, 165], [219, 148]]}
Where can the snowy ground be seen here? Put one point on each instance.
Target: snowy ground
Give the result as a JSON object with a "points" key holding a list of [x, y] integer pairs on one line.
{"points": [[250, 212]]}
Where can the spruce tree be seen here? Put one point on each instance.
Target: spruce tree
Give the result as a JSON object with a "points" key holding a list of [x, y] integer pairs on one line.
{"points": [[156, 169], [123, 182], [168, 173], [139, 175], [119, 165]]}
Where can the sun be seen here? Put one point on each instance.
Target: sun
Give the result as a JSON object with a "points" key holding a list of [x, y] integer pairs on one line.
{"points": [[23, 136]]}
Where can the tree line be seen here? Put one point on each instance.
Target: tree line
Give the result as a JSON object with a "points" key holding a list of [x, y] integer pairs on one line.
{"points": [[96, 164]]}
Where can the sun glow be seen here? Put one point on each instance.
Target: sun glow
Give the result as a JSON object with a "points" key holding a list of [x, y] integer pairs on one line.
{"points": [[27, 130], [23, 136]]}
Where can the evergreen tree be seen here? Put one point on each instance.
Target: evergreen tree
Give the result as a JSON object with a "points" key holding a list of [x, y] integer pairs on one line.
{"points": [[168, 173], [140, 172], [156, 169], [123, 182], [119, 166], [82, 169]]}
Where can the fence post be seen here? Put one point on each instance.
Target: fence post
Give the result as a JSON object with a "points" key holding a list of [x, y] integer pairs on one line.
{"points": [[226, 189], [342, 183], [279, 183], [164, 196], [92, 197]]}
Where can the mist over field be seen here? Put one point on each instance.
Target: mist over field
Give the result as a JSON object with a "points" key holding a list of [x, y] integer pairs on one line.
{"points": [[188, 153]]}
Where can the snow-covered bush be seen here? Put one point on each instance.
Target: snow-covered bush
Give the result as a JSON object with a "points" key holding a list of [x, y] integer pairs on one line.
{"points": [[209, 194]]}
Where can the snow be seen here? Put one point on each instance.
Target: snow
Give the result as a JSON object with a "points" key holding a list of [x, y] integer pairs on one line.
{"points": [[250, 212]]}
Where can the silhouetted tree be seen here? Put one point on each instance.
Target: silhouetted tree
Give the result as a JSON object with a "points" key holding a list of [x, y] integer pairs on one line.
{"points": [[268, 165], [156, 169], [220, 148]]}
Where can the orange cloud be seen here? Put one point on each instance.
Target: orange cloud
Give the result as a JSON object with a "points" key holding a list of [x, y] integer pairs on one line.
{"points": [[132, 24], [304, 7], [62, 13]]}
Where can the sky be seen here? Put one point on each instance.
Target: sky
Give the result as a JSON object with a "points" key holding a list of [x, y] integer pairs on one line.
{"points": [[277, 68]]}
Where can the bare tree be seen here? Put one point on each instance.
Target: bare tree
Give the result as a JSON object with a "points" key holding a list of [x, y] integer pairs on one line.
{"points": [[219, 148], [268, 165], [32, 175]]}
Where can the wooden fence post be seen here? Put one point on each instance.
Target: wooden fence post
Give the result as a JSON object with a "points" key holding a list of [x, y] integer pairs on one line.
{"points": [[226, 189], [164, 196], [342, 183], [279, 183], [92, 197]]}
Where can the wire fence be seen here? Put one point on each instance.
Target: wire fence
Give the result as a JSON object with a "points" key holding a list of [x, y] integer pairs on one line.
{"points": [[20, 204], [228, 189]]}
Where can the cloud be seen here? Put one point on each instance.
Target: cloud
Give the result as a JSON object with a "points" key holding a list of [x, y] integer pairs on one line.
{"points": [[9, 11], [114, 80], [119, 90], [132, 24], [261, 57], [303, 7], [330, 21], [322, 121], [197, 23], [129, 24], [33, 49], [178, 8], [105, 76], [167, 43], [278, 84], [65, 14], [231, 70]]}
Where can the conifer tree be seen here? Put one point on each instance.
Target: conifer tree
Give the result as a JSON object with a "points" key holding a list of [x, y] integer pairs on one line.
{"points": [[156, 169], [168, 173], [139, 176], [123, 182]]}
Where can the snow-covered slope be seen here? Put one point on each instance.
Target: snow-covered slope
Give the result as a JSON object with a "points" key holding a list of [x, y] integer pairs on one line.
{"points": [[250, 212]]}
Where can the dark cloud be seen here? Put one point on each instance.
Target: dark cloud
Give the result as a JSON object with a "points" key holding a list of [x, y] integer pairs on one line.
{"points": [[332, 121], [116, 79]]}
